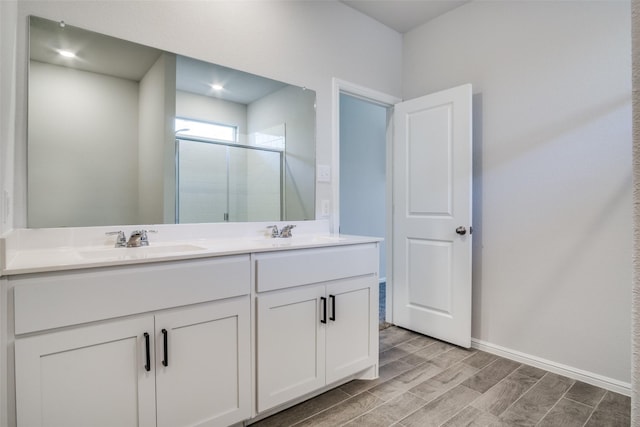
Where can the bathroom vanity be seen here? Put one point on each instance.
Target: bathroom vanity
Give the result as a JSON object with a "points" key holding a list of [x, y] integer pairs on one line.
{"points": [[208, 331], [212, 324]]}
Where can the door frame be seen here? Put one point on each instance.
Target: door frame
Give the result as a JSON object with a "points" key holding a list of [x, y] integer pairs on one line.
{"points": [[388, 101]]}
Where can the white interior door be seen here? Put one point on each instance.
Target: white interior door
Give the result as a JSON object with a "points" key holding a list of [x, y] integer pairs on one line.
{"points": [[432, 153]]}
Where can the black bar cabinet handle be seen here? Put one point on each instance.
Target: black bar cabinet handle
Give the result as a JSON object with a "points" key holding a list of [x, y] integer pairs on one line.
{"points": [[165, 335], [147, 366], [333, 308], [324, 310]]}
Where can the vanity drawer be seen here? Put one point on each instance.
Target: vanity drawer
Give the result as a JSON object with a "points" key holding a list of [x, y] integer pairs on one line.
{"points": [[286, 269], [55, 300]]}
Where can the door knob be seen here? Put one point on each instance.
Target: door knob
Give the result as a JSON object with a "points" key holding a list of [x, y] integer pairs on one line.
{"points": [[461, 230]]}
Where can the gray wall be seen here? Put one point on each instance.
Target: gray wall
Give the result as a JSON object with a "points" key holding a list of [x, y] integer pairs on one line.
{"points": [[635, 380], [111, 169], [363, 141], [156, 143], [552, 171], [61, 191]]}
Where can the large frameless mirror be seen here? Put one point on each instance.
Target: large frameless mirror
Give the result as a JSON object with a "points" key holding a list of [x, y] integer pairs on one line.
{"points": [[121, 133]]}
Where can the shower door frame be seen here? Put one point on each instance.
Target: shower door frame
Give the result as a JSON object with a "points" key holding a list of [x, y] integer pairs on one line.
{"points": [[228, 145]]}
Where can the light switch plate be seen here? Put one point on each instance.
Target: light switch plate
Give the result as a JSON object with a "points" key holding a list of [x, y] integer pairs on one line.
{"points": [[324, 173], [324, 208], [6, 208]]}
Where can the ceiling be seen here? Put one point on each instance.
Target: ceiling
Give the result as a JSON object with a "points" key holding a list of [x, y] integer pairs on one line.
{"points": [[98, 53], [95, 52], [404, 15], [197, 77]]}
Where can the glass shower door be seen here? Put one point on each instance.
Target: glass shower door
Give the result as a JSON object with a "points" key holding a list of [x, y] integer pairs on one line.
{"points": [[255, 187], [202, 182], [221, 182]]}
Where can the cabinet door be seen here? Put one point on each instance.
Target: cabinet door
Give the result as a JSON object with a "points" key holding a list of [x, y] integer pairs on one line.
{"points": [[206, 380], [89, 376], [291, 353], [352, 330]]}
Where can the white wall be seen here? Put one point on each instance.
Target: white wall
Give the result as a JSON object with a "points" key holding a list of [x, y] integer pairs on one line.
{"points": [[552, 171], [95, 118], [363, 147], [302, 43]]}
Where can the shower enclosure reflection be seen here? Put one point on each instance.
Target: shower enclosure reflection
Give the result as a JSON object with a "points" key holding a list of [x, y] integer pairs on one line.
{"points": [[221, 180]]}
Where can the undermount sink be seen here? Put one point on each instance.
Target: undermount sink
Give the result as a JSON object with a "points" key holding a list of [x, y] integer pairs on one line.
{"points": [[141, 252]]}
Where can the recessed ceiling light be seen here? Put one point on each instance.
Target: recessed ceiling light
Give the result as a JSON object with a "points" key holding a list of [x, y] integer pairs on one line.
{"points": [[66, 53], [216, 87]]}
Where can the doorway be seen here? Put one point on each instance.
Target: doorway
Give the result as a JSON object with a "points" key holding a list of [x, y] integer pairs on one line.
{"points": [[362, 151], [427, 129], [363, 130]]}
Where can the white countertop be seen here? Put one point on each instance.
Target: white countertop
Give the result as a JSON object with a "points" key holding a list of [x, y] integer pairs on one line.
{"points": [[46, 259]]}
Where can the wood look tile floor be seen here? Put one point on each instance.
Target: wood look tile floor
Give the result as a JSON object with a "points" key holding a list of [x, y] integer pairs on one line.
{"points": [[425, 382]]}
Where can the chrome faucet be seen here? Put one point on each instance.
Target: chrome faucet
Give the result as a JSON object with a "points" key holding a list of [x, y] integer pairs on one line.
{"points": [[274, 231], [121, 241], [285, 232], [139, 238]]}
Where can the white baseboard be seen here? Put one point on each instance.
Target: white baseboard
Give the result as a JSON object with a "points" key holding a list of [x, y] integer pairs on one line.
{"points": [[557, 368]]}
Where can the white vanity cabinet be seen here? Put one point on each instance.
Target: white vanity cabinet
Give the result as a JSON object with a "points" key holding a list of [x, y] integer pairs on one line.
{"points": [[206, 379], [85, 376], [317, 321], [164, 344], [210, 341]]}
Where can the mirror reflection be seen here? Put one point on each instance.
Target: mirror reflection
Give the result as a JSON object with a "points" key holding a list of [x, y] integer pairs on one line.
{"points": [[121, 133]]}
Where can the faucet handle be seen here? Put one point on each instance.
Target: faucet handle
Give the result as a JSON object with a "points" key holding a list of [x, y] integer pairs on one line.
{"points": [[274, 231], [144, 240], [121, 241], [286, 230]]}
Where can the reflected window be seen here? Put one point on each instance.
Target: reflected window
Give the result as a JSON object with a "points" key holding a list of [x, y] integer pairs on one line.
{"points": [[199, 129]]}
